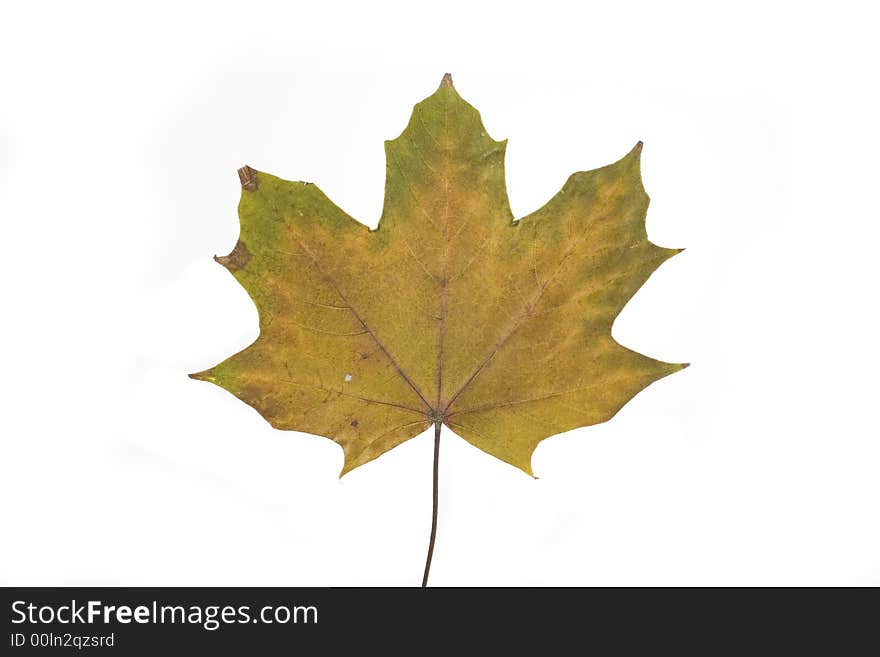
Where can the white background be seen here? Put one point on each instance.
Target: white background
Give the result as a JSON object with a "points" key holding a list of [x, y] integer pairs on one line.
{"points": [[120, 134]]}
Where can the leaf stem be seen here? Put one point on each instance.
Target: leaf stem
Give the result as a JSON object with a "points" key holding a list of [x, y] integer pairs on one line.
{"points": [[437, 426]]}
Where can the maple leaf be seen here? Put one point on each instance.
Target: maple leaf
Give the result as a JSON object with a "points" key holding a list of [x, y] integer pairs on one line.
{"points": [[450, 312]]}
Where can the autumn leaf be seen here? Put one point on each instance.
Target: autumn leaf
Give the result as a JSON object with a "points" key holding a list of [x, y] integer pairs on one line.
{"points": [[451, 312]]}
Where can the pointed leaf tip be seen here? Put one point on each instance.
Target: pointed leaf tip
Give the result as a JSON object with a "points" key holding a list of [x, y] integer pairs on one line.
{"points": [[237, 258], [205, 375], [248, 178], [637, 149]]}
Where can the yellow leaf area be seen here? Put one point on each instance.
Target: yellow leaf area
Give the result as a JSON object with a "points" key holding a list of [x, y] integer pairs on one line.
{"points": [[451, 310]]}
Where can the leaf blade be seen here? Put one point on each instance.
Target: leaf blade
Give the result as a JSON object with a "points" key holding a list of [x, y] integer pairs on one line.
{"points": [[450, 310]]}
